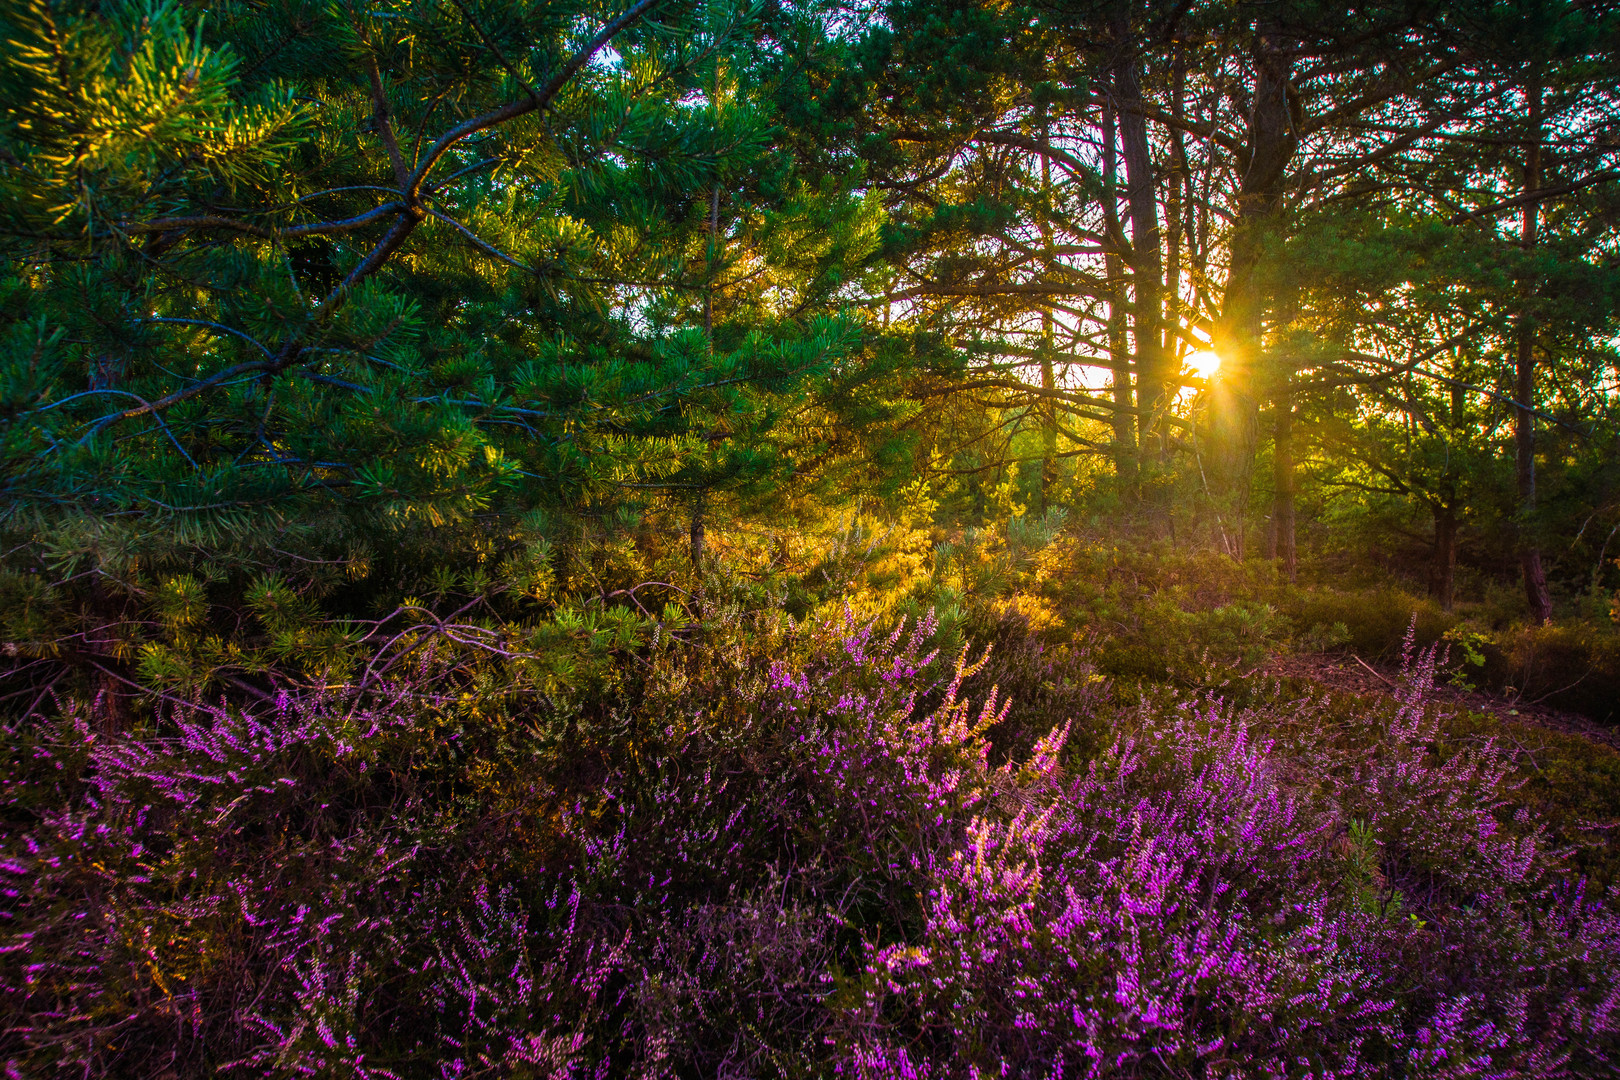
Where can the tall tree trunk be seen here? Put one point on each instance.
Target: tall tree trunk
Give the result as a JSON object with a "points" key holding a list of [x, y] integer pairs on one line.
{"points": [[699, 502], [1118, 353], [695, 536], [1048, 376], [1281, 543], [1048, 415], [1524, 438], [106, 612], [1524, 420], [1147, 265], [710, 257], [1175, 209], [1443, 561], [1239, 331], [106, 372]]}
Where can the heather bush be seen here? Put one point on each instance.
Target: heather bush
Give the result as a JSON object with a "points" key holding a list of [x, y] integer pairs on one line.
{"points": [[1191, 902], [790, 849], [283, 893], [1376, 620]]}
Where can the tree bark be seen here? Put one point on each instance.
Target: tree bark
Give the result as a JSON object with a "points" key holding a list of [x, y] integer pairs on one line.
{"points": [[1282, 498], [1524, 420], [1147, 264], [1048, 375], [1175, 225], [1118, 352], [1239, 332], [107, 614], [1048, 416], [710, 257], [1443, 561], [696, 535]]}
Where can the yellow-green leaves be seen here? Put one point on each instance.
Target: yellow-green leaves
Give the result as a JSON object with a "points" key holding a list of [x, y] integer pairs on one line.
{"points": [[180, 602], [133, 88]]}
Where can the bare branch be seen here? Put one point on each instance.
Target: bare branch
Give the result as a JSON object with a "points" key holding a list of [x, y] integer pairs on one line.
{"points": [[221, 327], [268, 232], [482, 245], [535, 100], [383, 121], [1537, 195]]}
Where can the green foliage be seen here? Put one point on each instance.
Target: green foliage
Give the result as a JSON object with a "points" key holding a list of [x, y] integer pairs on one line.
{"points": [[536, 344], [273, 327], [1573, 666], [1468, 645], [1375, 620]]}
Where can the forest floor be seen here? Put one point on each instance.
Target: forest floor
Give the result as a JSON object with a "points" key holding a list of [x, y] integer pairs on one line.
{"points": [[1352, 675]]}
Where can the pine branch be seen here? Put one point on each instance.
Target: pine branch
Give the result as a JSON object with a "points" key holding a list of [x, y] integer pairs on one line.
{"points": [[383, 121], [267, 232], [536, 100], [1537, 195]]}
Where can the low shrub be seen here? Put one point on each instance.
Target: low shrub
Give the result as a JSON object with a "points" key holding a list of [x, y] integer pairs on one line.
{"points": [[1570, 784], [1192, 902], [1375, 621], [1569, 666], [789, 849]]}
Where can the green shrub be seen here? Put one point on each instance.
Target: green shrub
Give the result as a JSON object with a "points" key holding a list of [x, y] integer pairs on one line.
{"points": [[1375, 620], [1569, 666]]}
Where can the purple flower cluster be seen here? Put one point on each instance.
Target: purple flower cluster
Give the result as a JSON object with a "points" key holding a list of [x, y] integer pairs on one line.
{"points": [[273, 895], [802, 859], [1186, 905]]}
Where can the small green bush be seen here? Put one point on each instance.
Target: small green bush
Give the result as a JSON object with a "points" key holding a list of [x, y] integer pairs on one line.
{"points": [[1375, 620], [1572, 666]]}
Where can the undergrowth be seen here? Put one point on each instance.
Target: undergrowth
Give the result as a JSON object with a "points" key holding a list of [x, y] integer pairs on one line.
{"points": [[799, 848], [1014, 803]]}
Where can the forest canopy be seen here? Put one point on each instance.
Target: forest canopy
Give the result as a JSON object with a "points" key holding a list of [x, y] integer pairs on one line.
{"points": [[442, 422]]}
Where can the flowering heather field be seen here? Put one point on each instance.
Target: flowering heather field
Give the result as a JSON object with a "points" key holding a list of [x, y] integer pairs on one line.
{"points": [[812, 851]]}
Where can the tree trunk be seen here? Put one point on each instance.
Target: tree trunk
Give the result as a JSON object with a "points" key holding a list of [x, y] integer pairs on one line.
{"points": [[106, 372], [709, 261], [107, 614], [1175, 224], [1048, 416], [1118, 354], [1524, 437], [1443, 561], [1048, 376], [696, 535], [1147, 265], [1524, 420], [1240, 328], [1282, 498]]}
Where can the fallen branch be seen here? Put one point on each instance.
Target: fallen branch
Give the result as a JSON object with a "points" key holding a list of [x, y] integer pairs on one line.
{"points": [[1374, 672]]}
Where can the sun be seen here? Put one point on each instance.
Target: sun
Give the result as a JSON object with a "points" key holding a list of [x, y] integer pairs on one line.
{"points": [[1203, 363]]}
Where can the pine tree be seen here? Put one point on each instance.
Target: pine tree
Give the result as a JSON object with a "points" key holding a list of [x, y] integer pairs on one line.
{"points": [[291, 285]]}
